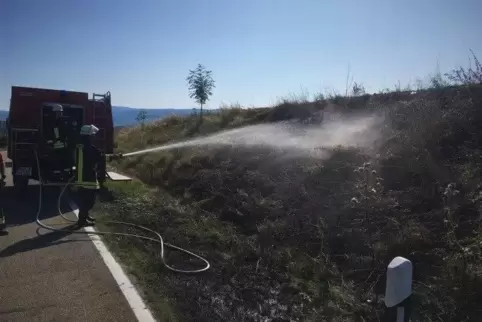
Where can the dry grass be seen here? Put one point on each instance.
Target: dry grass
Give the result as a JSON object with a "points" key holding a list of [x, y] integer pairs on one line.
{"points": [[302, 239]]}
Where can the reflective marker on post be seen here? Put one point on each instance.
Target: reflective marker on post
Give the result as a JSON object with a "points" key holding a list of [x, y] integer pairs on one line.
{"points": [[399, 286]]}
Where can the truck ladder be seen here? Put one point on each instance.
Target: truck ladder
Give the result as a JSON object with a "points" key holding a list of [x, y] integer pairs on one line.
{"points": [[102, 117], [24, 143]]}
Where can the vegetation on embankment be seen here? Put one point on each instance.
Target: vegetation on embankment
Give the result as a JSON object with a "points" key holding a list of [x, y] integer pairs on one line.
{"points": [[305, 239]]}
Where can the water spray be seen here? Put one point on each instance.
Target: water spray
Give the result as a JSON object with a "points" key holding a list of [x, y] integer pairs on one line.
{"points": [[360, 132]]}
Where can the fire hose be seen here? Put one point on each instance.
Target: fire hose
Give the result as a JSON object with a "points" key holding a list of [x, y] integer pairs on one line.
{"points": [[158, 238]]}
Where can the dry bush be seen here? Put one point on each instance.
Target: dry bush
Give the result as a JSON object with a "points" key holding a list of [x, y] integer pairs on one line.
{"points": [[467, 76]]}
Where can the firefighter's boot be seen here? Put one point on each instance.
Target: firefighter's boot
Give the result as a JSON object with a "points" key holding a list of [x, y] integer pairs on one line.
{"points": [[83, 220], [84, 223]]}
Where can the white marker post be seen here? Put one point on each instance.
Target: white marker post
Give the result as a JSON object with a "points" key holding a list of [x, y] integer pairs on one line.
{"points": [[399, 287]]}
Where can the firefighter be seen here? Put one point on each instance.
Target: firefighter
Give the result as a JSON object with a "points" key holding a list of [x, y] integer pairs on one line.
{"points": [[59, 128], [88, 161], [58, 140]]}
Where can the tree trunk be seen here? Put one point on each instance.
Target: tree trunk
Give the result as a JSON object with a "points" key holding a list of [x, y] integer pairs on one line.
{"points": [[201, 114]]}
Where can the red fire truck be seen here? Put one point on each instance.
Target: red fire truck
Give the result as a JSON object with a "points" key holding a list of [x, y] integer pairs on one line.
{"points": [[29, 123]]}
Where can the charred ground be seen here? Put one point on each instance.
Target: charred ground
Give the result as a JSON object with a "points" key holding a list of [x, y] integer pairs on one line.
{"points": [[305, 239]]}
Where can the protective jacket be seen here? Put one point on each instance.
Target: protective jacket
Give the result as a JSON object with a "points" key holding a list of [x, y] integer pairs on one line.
{"points": [[59, 134], [88, 161]]}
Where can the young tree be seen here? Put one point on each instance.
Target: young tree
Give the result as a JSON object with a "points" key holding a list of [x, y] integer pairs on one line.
{"points": [[141, 119], [201, 84]]}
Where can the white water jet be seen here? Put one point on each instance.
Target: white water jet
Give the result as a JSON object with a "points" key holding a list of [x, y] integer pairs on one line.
{"points": [[361, 132]]}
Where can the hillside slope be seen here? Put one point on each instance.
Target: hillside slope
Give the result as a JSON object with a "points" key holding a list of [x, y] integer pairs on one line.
{"points": [[307, 237], [124, 116]]}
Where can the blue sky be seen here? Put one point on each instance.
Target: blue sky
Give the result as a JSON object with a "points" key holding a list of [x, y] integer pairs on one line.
{"points": [[258, 50]]}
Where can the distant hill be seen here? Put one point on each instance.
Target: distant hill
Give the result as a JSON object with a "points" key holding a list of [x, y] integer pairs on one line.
{"points": [[3, 114], [124, 116]]}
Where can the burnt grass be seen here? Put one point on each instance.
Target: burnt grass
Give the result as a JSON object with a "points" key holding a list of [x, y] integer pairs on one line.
{"points": [[299, 238]]}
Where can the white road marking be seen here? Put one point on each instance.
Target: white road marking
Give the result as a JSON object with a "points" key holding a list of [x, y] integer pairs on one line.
{"points": [[135, 301]]}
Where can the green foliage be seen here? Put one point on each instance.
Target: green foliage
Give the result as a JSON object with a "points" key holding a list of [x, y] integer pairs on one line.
{"points": [[200, 84], [141, 117]]}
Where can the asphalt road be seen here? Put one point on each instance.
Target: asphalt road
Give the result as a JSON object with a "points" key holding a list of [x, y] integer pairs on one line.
{"points": [[51, 276]]}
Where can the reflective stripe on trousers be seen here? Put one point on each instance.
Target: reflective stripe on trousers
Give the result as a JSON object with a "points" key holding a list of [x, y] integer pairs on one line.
{"points": [[85, 185]]}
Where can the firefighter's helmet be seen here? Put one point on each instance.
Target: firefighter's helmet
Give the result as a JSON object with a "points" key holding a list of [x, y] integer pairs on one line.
{"points": [[57, 108], [88, 130]]}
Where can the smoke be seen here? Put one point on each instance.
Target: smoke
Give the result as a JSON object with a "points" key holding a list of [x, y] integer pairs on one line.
{"points": [[361, 132]]}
